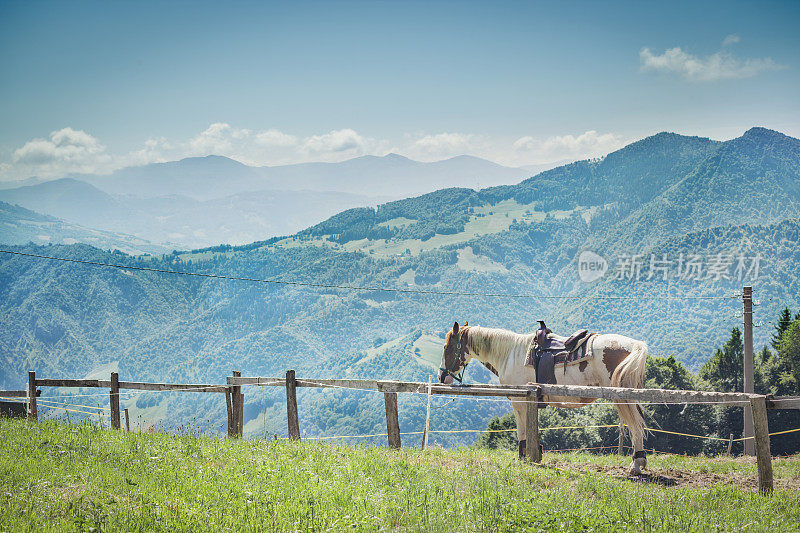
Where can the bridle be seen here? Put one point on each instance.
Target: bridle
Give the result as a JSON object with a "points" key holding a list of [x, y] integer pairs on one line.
{"points": [[459, 356]]}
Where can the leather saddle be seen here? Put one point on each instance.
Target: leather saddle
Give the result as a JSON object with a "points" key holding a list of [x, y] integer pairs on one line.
{"points": [[548, 350]]}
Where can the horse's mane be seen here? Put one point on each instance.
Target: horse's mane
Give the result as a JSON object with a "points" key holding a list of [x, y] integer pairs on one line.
{"points": [[496, 341]]}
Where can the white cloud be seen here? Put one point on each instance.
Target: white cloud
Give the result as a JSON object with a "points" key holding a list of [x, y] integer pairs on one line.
{"points": [[216, 139], [443, 145], [560, 147], [155, 150], [275, 138], [336, 141], [730, 39], [66, 150], [719, 66]]}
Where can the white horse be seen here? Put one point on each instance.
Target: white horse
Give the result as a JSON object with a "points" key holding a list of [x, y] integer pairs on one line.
{"points": [[616, 361]]}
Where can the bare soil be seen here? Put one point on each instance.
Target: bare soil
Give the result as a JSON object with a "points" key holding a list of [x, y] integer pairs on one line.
{"points": [[672, 477]]}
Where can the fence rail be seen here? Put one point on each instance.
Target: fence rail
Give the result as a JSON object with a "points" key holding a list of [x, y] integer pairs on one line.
{"points": [[758, 404]]}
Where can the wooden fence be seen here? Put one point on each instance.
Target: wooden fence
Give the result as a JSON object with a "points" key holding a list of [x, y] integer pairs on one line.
{"points": [[234, 401]]}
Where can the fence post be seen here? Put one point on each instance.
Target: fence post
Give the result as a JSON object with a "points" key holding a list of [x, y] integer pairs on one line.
{"points": [[33, 413], [621, 439], [291, 406], [238, 407], [427, 416], [761, 433], [392, 420], [231, 427], [114, 401], [532, 451], [747, 316], [730, 444], [127, 421]]}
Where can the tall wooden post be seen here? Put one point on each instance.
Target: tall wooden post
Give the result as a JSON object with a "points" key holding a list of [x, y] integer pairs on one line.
{"points": [[763, 454], [114, 401], [747, 300], [427, 416], [33, 412], [229, 405], [238, 407], [532, 451], [392, 419], [127, 421], [291, 406]]}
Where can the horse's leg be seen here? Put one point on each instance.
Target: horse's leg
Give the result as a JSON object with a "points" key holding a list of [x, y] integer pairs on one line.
{"points": [[630, 373], [631, 415], [519, 413], [637, 439]]}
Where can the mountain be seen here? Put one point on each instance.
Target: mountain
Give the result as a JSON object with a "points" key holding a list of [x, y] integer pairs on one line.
{"points": [[179, 221], [203, 201], [72, 200], [393, 175], [21, 226], [200, 178], [668, 197]]}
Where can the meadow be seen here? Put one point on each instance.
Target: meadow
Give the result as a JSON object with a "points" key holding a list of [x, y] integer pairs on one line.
{"points": [[56, 476]]}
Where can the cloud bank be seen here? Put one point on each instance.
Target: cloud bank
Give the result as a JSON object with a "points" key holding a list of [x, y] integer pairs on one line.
{"points": [[74, 151], [587, 145]]}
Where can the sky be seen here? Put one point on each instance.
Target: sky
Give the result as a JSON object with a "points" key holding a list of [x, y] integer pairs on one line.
{"points": [[94, 86]]}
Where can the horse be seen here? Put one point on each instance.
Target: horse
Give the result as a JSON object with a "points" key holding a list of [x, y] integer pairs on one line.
{"points": [[615, 361]]}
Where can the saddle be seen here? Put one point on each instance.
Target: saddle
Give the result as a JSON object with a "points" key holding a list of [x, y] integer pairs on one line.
{"points": [[548, 350]]}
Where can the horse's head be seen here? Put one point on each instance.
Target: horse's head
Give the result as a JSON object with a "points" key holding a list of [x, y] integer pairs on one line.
{"points": [[454, 358]]}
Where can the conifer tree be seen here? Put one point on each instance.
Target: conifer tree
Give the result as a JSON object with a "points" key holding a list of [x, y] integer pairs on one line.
{"points": [[783, 324]]}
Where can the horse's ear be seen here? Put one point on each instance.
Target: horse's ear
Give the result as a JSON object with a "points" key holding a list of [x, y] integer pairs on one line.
{"points": [[455, 328], [466, 323]]}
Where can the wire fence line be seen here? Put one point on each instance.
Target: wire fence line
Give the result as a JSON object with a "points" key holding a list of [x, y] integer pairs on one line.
{"points": [[311, 383], [364, 288]]}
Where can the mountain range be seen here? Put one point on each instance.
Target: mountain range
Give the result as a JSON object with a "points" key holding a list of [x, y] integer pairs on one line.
{"points": [[203, 201], [676, 199]]}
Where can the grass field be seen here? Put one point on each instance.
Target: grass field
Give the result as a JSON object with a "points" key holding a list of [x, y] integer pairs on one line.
{"points": [[60, 477]]}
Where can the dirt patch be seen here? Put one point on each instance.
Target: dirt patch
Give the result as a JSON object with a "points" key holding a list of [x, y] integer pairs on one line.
{"points": [[672, 477]]}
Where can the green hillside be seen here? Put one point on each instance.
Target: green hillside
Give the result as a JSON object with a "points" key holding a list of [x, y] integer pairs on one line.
{"points": [[57, 477], [666, 194]]}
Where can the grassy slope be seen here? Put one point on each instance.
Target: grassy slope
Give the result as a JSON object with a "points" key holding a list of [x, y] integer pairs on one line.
{"points": [[60, 477]]}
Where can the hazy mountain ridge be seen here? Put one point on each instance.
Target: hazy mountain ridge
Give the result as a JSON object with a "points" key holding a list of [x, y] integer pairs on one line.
{"points": [[181, 222], [21, 226], [204, 201]]}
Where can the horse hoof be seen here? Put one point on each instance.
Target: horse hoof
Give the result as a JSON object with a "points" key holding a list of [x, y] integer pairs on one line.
{"points": [[635, 468]]}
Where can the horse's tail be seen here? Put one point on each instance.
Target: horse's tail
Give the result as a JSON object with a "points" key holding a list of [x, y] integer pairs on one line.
{"points": [[630, 373]]}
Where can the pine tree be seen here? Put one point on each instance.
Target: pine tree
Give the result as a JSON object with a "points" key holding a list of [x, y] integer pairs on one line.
{"points": [[783, 324], [724, 371]]}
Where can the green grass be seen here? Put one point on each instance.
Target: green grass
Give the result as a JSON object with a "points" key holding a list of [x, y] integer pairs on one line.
{"points": [[59, 477]]}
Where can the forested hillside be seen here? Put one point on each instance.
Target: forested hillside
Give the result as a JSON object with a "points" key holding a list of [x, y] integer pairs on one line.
{"points": [[665, 196]]}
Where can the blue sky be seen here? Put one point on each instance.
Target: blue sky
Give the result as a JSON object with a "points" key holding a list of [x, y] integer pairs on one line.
{"points": [[92, 86]]}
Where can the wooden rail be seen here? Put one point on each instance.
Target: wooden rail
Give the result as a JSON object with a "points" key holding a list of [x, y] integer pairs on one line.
{"points": [[16, 393], [234, 400], [758, 403]]}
